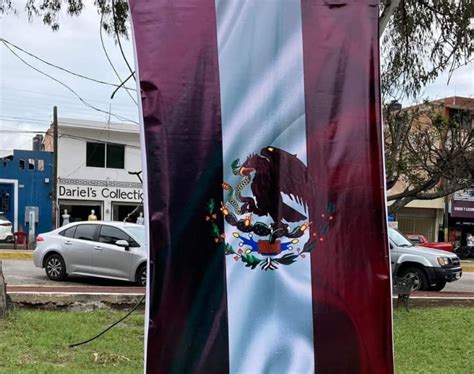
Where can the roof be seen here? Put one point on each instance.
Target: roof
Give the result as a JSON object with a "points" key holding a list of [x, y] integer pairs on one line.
{"points": [[99, 126], [457, 102]]}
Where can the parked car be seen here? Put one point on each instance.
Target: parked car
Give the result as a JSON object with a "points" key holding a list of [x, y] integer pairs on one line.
{"points": [[6, 232], [113, 250], [421, 240], [431, 268]]}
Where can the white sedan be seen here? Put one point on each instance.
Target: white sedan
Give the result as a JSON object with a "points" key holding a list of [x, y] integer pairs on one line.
{"points": [[113, 250]]}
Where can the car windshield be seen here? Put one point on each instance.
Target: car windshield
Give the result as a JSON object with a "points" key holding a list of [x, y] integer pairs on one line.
{"points": [[138, 232], [398, 239]]}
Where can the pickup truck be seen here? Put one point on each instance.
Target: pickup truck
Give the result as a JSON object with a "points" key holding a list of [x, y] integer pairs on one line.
{"points": [[431, 268], [423, 242]]}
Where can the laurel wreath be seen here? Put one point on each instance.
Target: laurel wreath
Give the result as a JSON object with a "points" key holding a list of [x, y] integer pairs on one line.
{"points": [[269, 263]]}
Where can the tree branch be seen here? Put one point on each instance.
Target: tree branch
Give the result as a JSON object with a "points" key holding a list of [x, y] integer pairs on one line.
{"points": [[387, 13]]}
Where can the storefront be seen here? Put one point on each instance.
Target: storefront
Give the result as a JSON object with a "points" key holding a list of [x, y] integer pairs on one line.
{"points": [[98, 165], [109, 201], [461, 221], [423, 221]]}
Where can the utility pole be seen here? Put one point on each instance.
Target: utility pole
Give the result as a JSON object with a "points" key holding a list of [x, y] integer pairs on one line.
{"points": [[55, 167]]}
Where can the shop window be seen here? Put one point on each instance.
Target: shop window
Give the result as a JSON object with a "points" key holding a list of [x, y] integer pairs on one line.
{"points": [[85, 232], [95, 155], [21, 164], [40, 165], [115, 156], [105, 155], [31, 164]]}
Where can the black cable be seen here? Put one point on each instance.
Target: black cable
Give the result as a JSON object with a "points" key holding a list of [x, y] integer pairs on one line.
{"points": [[110, 327], [61, 68], [118, 40], [67, 87], [108, 57], [125, 81]]}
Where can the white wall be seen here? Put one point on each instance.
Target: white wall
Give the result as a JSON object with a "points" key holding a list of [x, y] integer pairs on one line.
{"points": [[72, 154]]}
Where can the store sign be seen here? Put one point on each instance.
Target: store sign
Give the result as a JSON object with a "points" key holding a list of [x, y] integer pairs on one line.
{"points": [[100, 193], [462, 209]]}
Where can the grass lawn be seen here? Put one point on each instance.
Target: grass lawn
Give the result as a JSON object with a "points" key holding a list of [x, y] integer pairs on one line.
{"points": [[37, 342], [434, 340], [431, 340]]}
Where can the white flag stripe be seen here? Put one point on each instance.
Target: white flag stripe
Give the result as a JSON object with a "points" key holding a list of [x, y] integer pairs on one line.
{"points": [[262, 97]]}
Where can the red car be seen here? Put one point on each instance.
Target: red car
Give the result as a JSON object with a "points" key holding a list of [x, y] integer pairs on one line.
{"points": [[422, 241]]}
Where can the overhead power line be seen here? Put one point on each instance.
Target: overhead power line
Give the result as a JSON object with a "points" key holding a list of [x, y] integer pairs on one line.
{"points": [[61, 68], [121, 118], [109, 59]]}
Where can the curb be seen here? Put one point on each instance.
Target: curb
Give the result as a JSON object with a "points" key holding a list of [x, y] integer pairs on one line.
{"points": [[76, 300], [16, 255], [467, 268]]}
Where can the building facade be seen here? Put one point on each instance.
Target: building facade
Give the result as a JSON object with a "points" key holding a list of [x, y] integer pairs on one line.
{"points": [[428, 217], [26, 190], [97, 171], [461, 216]]}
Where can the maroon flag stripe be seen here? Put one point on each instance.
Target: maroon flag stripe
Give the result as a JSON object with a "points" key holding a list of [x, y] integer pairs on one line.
{"points": [[177, 56], [350, 272]]}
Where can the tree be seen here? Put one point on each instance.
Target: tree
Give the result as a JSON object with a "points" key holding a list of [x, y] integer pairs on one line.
{"points": [[427, 155], [420, 38]]}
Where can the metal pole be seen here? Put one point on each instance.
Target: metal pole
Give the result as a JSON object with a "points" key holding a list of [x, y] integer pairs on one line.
{"points": [[55, 167]]}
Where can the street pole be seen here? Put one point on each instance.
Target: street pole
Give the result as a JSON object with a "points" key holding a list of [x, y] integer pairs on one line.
{"points": [[55, 167]]}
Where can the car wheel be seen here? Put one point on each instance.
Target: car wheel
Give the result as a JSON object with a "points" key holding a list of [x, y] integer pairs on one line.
{"points": [[55, 267], [141, 276], [437, 287], [421, 281], [10, 239]]}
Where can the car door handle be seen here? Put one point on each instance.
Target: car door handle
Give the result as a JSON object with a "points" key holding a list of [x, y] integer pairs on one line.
{"points": [[98, 248], [68, 243]]}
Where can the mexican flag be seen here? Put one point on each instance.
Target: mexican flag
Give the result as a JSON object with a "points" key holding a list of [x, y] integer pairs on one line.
{"points": [[262, 148]]}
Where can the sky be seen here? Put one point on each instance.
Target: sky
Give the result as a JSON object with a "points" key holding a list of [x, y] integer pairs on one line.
{"points": [[27, 97]]}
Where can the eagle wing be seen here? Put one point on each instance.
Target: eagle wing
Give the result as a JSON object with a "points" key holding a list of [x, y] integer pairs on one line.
{"points": [[291, 174]]}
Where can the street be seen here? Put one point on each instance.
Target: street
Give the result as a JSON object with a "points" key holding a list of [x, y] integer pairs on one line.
{"points": [[24, 273]]}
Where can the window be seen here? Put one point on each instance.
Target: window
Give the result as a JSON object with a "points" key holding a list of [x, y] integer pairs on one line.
{"points": [[31, 164], [105, 155], [110, 235], [95, 155], [40, 165], [22, 164], [85, 232], [69, 233], [115, 156]]}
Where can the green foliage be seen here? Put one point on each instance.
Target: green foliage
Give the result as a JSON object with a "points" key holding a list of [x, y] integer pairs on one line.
{"points": [[211, 206], [287, 259], [114, 13], [250, 260], [423, 39]]}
